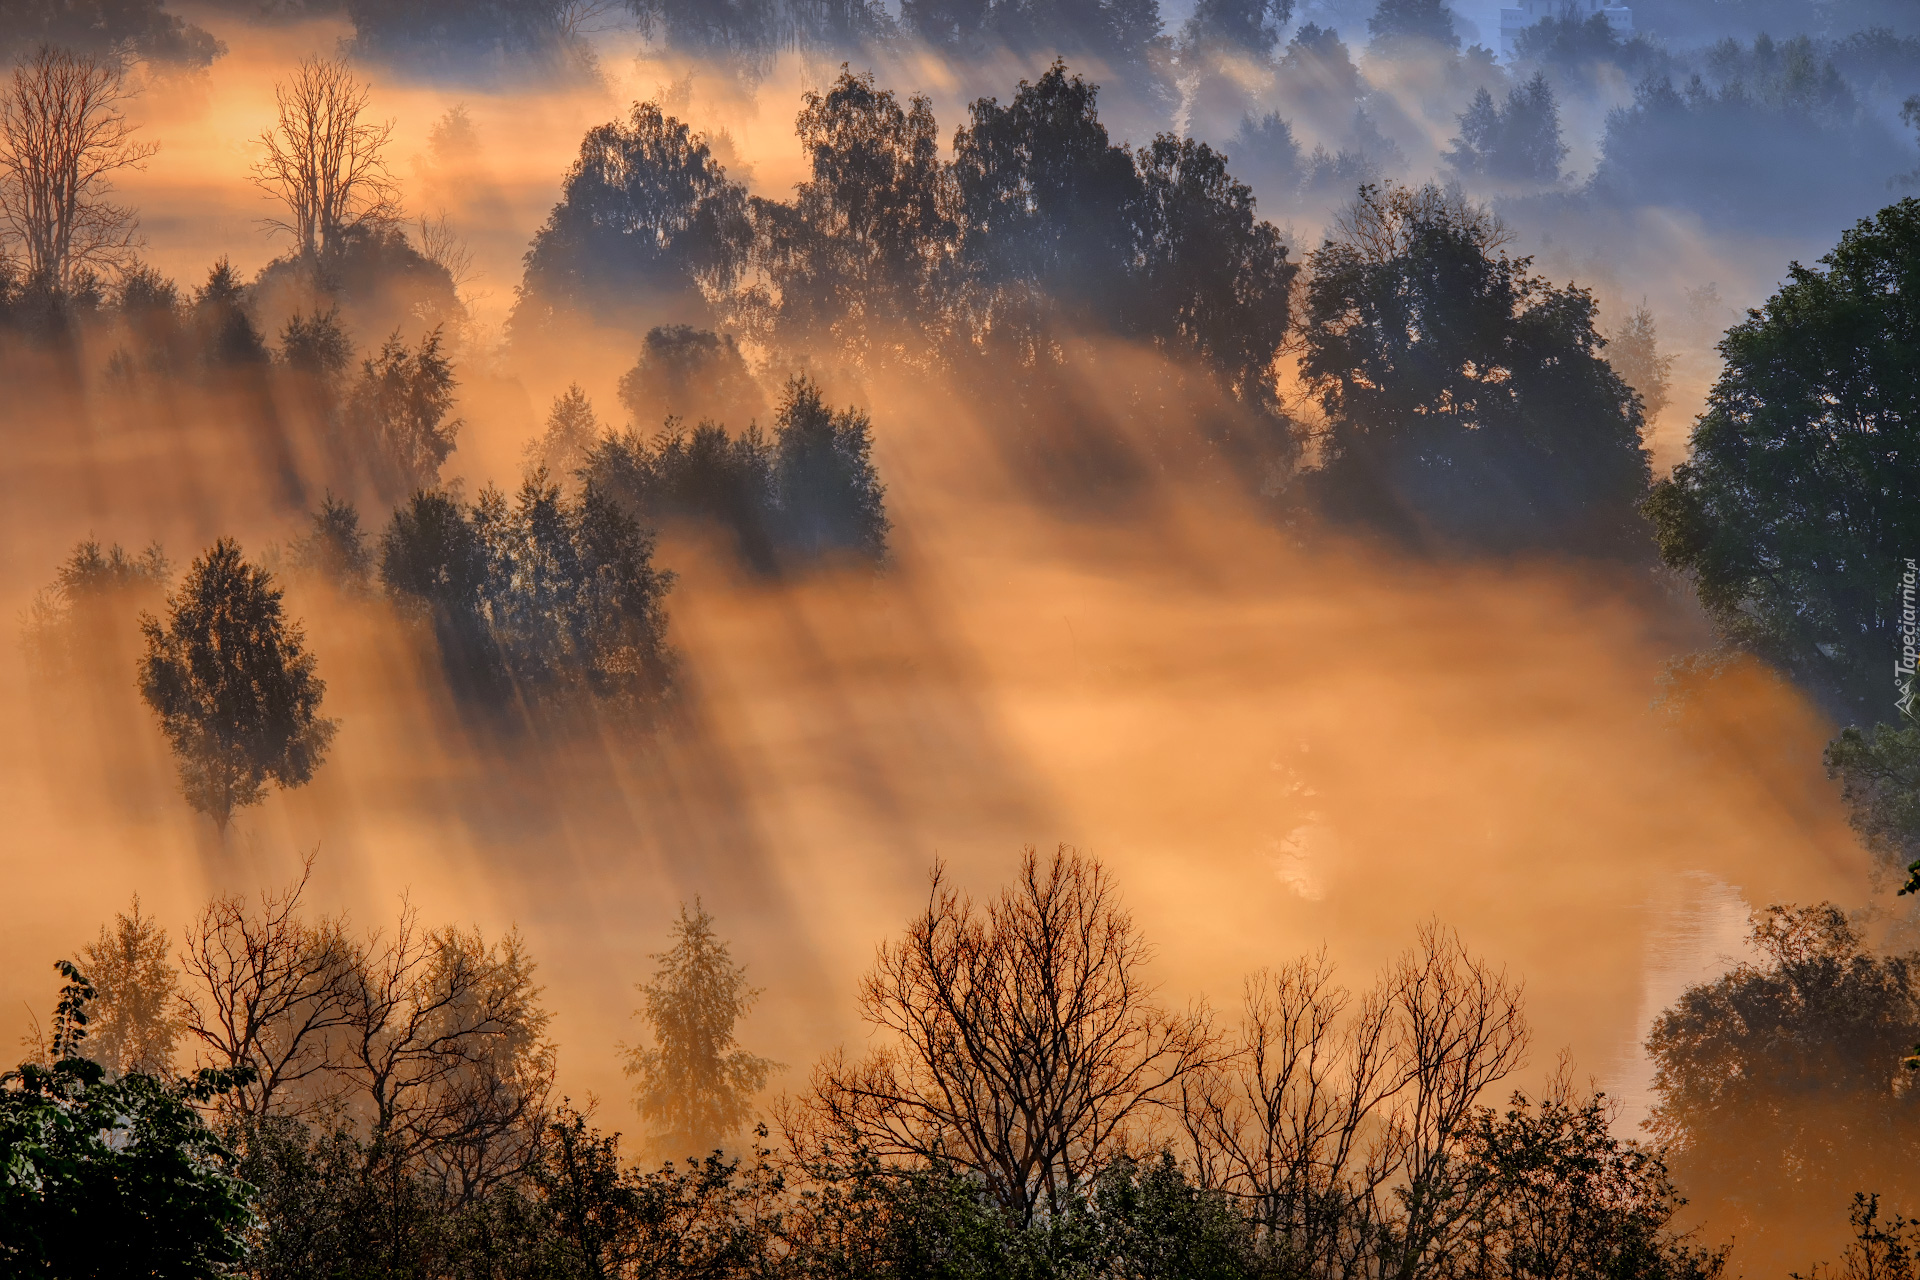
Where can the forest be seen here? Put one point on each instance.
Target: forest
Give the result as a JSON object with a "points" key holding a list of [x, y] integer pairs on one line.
{"points": [[960, 638]]}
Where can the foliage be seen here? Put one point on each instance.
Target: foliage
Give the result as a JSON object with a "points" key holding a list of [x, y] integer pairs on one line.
{"points": [[695, 1086], [572, 430], [1879, 774], [1400, 22], [1781, 1084], [553, 596], [233, 686], [335, 548], [1791, 512], [105, 28], [91, 592], [1250, 25], [101, 1171], [397, 413], [646, 217], [1634, 352], [1467, 401], [693, 374], [224, 332], [1518, 142], [134, 1023]]}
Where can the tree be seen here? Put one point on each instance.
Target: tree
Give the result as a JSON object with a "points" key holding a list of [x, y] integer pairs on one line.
{"points": [[109, 1176], [118, 30], [571, 433], [1634, 352], [647, 217], [323, 162], [1467, 401], [1253, 26], [1519, 142], [222, 328], [233, 686], [1879, 774], [1780, 1084], [695, 1085], [398, 412], [693, 374], [828, 493], [135, 1022], [62, 137], [1418, 21], [335, 548], [1789, 513], [860, 248], [1024, 1044], [94, 593]]}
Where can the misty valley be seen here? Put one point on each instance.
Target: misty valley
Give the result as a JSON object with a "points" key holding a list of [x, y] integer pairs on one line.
{"points": [[932, 639]]}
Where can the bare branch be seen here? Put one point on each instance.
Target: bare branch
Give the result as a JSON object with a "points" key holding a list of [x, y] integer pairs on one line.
{"points": [[323, 161]]}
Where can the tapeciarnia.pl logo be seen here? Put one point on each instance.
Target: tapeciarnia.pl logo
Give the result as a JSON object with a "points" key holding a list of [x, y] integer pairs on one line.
{"points": [[1909, 641]]}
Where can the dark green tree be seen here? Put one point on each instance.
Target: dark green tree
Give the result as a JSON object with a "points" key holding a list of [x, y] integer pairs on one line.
{"points": [[693, 374], [1879, 774], [397, 415], [1416, 21], [1518, 142], [233, 685], [828, 493], [1468, 402], [110, 1178], [1253, 26], [647, 218], [1793, 511]]}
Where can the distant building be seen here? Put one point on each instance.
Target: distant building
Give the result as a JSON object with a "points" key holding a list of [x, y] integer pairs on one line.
{"points": [[1517, 19]]}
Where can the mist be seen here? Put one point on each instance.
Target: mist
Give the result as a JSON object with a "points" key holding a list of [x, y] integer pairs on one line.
{"points": [[1279, 729]]}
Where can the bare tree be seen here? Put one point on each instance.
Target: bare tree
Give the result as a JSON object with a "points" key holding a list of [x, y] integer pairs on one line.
{"points": [[323, 161], [269, 991], [1027, 1044], [62, 134], [445, 1051], [442, 245]]}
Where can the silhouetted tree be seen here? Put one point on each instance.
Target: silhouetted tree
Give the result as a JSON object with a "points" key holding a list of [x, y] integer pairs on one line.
{"points": [[1781, 1084], [1518, 142], [335, 548], [1250, 25], [110, 1174], [689, 373], [397, 413], [223, 329], [96, 591], [572, 430], [324, 162], [828, 493], [856, 253], [1879, 774], [233, 686], [62, 137], [1467, 400], [1789, 512], [108, 29], [1420, 21], [1023, 1045], [646, 216], [695, 1085]]}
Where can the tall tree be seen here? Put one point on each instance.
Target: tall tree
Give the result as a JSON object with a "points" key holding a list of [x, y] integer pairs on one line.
{"points": [[233, 685], [1402, 22], [1467, 400], [647, 217], [135, 1019], [1518, 142], [1792, 512], [63, 135], [398, 413], [325, 163], [695, 1085]]}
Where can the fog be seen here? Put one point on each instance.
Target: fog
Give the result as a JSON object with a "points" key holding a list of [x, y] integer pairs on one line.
{"points": [[1277, 734]]}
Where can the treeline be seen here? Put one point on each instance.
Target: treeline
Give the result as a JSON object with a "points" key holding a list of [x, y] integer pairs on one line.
{"points": [[381, 1103]]}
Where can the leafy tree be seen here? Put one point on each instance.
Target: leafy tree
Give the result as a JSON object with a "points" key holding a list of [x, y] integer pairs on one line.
{"points": [[1250, 25], [335, 548], [107, 29], [829, 495], [703, 476], [1265, 152], [1420, 21], [571, 432], [1467, 400], [689, 373], [946, 22], [111, 1177], [222, 325], [1518, 142], [233, 686], [1791, 512], [134, 1022], [316, 346], [398, 412], [857, 252], [695, 1085], [1879, 773], [1045, 197], [92, 594], [646, 218], [1781, 1084], [1634, 352], [1214, 280]]}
